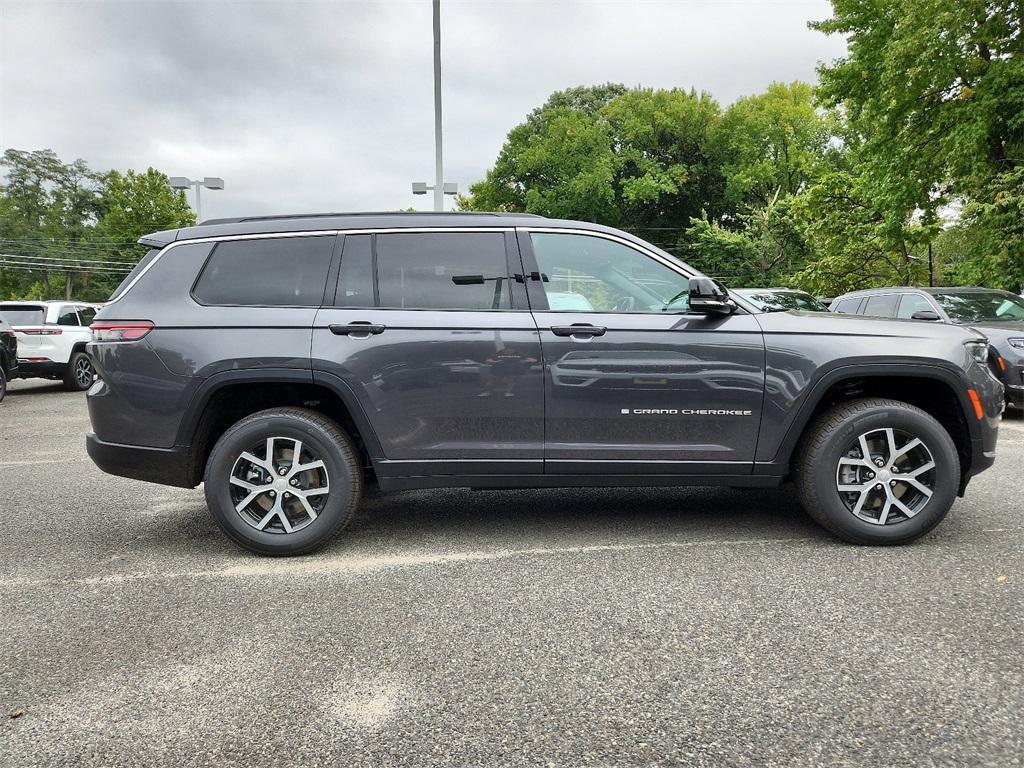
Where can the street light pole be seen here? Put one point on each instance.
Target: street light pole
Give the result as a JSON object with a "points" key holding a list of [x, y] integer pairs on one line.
{"points": [[438, 154], [183, 182]]}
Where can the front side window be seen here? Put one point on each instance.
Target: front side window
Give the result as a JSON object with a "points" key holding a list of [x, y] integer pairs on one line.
{"points": [[882, 306], [440, 270], [582, 273], [283, 271], [911, 303], [978, 306]]}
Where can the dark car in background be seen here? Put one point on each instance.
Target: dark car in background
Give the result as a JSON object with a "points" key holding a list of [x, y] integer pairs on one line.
{"points": [[999, 315], [780, 299], [8, 355]]}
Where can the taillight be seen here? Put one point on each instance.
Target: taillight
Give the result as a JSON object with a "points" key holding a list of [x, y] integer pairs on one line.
{"points": [[41, 331], [129, 330]]}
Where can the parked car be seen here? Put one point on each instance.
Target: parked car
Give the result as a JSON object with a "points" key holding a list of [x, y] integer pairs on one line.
{"points": [[52, 336], [999, 315], [285, 362], [780, 299], [8, 356]]}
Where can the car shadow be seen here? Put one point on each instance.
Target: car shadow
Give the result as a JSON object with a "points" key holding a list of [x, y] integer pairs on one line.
{"points": [[23, 387]]}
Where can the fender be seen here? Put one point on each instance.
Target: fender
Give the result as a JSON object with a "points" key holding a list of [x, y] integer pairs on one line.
{"points": [[948, 374]]}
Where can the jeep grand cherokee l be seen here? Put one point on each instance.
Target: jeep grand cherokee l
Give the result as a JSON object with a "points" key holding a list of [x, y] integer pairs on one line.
{"points": [[287, 362]]}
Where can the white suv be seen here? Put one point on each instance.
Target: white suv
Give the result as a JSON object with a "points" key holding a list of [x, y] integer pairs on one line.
{"points": [[51, 340]]}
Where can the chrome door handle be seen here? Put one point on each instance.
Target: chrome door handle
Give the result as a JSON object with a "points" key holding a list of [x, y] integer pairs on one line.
{"points": [[578, 329], [359, 327]]}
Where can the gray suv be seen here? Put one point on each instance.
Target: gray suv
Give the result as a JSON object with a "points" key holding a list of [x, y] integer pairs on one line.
{"points": [[289, 362]]}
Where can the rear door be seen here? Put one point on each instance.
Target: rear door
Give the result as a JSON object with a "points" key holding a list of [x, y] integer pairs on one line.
{"points": [[635, 384], [431, 334]]}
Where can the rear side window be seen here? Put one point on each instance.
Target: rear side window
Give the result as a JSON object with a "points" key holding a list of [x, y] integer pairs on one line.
{"points": [[87, 315], [442, 271], [283, 272], [846, 306], [68, 316], [23, 314], [882, 306]]}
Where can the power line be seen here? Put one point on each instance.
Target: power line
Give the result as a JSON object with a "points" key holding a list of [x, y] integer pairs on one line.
{"points": [[47, 257], [61, 270], [5, 259]]}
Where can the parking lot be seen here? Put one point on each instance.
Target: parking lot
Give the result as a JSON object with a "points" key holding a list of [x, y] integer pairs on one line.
{"points": [[576, 627]]}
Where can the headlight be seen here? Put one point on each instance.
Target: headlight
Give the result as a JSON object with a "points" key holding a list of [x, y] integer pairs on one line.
{"points": [[1018, 343], [978, 350]]}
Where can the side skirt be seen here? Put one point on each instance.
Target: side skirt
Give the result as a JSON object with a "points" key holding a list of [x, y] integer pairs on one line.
{"points": [[498, 482]]}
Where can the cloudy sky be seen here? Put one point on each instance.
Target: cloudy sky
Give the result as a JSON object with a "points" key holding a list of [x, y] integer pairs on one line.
{"points": [[315, 106]]}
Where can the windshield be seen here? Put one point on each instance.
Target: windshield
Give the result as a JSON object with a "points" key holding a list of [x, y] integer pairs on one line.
{"points": [[771, 301], [980, 306], [23, 314]]}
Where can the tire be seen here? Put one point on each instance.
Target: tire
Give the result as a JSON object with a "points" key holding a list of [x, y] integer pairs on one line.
{"points": [[80, 373], [831, 458], [232, 481], [3, 382]]}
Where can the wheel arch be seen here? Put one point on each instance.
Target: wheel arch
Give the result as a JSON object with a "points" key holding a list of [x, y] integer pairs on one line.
{"points": [[226, 398], [939, 391]]}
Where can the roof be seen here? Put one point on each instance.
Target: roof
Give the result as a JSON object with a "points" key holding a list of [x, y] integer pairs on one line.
{"points": [[925, 289], [314, 222]]}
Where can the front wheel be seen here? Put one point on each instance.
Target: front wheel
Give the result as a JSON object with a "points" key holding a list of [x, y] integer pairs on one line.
{"points": [[877, 471], [80, 374], [283, 481]]}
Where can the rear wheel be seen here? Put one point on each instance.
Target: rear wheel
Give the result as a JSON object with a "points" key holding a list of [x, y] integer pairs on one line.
{"points": [[283, 481], [3, 382], [877, 471], [80, 374]]}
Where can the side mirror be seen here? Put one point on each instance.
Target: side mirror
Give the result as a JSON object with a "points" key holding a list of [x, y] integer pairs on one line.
{"points": [[709, 298], [925, 314]]}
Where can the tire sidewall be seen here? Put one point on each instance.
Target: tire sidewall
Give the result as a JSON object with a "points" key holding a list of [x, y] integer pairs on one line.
{"points": [[3, 383], [243, 437], [947, 475]]}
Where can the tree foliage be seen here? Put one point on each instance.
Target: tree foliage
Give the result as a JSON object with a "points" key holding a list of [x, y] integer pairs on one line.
{"points": [[66, 230]]}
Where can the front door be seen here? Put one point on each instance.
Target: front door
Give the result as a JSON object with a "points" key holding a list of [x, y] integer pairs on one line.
{"points": [[437, 343], [634, 384]]}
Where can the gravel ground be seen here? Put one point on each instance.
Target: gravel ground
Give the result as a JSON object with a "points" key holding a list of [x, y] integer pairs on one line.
{"points": [[674, 627]]}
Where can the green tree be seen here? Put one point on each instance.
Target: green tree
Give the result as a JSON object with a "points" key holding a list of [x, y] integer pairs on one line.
{"points": [[934, 92], [638, 159]]}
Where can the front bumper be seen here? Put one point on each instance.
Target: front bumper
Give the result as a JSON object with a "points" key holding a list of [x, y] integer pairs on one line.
{"points": [[166, 466]]}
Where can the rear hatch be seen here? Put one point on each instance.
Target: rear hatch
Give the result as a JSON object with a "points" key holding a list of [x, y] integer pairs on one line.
{"points": [[29, 323]]}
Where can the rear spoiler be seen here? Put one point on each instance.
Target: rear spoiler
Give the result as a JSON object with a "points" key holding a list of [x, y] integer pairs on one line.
{"points": [[159, 239]]}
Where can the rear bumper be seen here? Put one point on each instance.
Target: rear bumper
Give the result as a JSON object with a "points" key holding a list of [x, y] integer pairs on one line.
{"points": [[166, 466]]}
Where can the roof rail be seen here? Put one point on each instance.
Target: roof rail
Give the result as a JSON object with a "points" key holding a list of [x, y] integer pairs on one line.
{"points": [[246, 219]]}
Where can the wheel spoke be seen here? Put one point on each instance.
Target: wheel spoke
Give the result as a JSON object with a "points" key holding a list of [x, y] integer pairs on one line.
{"points": [[859, 506], [906, 449], [296, 453], [890, 439], [314, 491], [920, 470], [274, 512], [851, 461], [247, 485], [253, 459], [865, 452], [884, 514], [861, 488], [249, 499], [270, 454], [307, 506], [903, 507], [306, 467]]}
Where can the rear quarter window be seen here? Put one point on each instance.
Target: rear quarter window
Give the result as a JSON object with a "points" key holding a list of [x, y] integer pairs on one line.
{"points": [[280, 271]]}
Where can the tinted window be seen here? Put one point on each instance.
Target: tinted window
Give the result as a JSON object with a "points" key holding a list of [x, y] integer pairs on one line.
{"points": [[144, 262], [882, 306], [86, 315], [355, 283], [285, 271], [23, 314], [977, 306], [67, 316], [591, 274], [913, 302], [442, 271], [846, 306]]}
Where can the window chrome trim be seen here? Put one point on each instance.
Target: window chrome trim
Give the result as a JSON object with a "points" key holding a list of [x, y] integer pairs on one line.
{"points": [[303, 233]]}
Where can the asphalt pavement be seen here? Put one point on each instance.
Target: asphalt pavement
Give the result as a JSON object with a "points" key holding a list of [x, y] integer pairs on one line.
{"points": [[669, 627]]}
